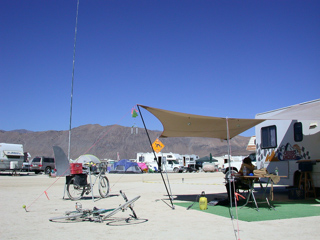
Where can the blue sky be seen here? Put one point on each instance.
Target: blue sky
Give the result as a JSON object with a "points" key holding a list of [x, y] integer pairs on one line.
{"points": [[214, 58]]}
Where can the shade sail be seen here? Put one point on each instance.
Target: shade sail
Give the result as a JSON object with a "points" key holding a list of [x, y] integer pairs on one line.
{"points": [[176, 124]]}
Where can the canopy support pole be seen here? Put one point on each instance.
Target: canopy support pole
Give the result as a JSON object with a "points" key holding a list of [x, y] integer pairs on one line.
{"points": [[231, 178], [155, 157]]}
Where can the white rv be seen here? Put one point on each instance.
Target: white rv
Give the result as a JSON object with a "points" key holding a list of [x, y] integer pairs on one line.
{"points": [[169, 161], [11, 156], [290, 134], [188, 160]]}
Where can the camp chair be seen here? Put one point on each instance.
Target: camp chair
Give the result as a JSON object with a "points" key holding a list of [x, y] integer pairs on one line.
{"points": [[243, 189]]}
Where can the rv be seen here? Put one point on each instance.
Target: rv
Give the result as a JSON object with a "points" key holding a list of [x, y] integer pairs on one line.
{"points": [[293, 135], [169, 161], [188, 160], [11, 156]]}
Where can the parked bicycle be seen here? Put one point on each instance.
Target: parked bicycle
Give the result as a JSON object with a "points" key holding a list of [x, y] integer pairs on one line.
{"points": [[97, 215], [77, 184]]}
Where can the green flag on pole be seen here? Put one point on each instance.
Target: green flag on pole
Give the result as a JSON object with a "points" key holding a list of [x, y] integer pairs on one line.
{"points": [[134, 113]]}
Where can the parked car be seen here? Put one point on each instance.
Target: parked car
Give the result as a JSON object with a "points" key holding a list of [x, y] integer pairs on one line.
{"points": [[25, 167], [42, 164]]}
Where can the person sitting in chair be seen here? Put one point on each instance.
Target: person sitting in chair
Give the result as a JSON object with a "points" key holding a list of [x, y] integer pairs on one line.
{"points": [[235, 184], [247, 166]]}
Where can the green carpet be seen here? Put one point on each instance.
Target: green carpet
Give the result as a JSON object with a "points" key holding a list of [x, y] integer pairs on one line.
{"points": [[283, 210]]}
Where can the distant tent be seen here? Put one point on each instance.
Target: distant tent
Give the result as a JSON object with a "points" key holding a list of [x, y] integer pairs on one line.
{"points": [[206, 159], [125, 166], [87, 158]]}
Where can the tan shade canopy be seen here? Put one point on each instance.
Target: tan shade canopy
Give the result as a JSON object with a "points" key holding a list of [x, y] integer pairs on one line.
{"points": [[176, 124]]}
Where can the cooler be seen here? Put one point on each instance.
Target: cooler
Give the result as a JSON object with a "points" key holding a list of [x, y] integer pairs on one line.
{"points": [[75, 168]]}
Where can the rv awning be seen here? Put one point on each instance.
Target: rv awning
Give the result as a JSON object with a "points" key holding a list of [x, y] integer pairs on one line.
{"points": [[176, 124], [13, 153], [303, 111]]}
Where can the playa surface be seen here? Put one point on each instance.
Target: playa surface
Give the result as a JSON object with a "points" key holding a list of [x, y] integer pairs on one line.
{"points": [[43, 197]]}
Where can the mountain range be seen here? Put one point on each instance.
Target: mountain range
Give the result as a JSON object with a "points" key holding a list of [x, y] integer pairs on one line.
{"points": [[113, 141]]}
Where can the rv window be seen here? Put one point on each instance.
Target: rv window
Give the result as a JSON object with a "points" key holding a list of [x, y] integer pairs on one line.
{"points": [[269, 137], [13, 157], [297, 131], [48, 160], [36, 160]]}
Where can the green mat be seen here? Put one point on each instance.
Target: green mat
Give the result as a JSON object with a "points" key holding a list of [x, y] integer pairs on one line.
{"points": [[283, 210]]}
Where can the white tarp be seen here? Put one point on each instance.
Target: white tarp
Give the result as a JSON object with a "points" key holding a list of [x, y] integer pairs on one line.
{"points": [[61, 161]]}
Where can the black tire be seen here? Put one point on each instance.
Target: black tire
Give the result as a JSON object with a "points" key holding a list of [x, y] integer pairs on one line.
{"points": [[121, 207], [176, 170], [104, 186], [36, 171], [230, 172], [75, 191], [47, 170]]}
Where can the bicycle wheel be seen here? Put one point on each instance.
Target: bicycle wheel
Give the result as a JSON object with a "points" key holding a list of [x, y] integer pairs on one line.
{"points": [[75, 191], [122, 207], [70, 216], [104, 186]]}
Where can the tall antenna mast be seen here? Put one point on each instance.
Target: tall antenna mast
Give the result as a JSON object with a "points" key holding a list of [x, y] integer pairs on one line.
{"points": [[74, 56]]}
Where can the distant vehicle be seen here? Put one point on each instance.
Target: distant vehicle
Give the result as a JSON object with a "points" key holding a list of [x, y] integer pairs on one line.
{"points": [[26, 163], [11, 156], [169, 161], [26, 167], [188, 160], [42, 164], [235, 165]]}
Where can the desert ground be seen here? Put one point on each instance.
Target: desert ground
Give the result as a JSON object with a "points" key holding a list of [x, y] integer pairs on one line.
{"points": [[43, 198]]}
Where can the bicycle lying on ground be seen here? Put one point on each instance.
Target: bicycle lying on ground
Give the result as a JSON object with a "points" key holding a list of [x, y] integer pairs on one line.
{"points": [[77, 184], [97, 215]]}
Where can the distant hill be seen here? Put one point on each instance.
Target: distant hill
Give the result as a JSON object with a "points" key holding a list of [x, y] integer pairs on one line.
{"points": [[106, 141]]}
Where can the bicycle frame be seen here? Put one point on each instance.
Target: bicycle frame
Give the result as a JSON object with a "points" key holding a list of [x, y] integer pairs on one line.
{"points": [[92, 184], [79, 190], [96, 215]]}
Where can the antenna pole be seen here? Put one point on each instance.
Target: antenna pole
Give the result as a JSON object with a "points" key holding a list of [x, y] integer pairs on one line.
{"points": [[74, 56]]}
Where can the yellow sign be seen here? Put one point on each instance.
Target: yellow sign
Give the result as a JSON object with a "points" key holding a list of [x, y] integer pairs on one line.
{"points": [[157, 145]]}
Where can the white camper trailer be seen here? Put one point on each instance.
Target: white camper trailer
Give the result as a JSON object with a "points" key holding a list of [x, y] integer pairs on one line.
{"points": [[11, 156], [169, 161], [290, 134], [188, 160]]}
